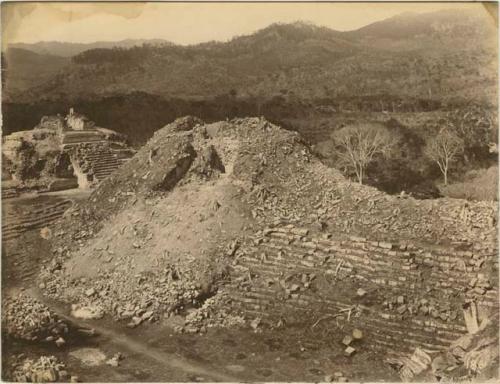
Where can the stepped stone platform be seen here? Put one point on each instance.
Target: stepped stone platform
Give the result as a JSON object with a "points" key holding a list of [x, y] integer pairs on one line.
{"points": [[409, 295], [17, 221], [60, 149], [9, 192], [94, 162]]}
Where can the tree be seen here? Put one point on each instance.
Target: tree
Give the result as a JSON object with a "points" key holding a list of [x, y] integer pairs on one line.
{"points": [[356, 146], [476, 125], [443, 149]]}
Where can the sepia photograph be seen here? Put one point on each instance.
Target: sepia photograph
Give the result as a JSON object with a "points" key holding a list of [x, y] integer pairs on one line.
{"points": [[249, 192]]}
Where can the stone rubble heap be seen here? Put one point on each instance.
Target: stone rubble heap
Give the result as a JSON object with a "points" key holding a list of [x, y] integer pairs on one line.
{"points": [[46, 369], [280, 234], [165, 292], [211, 314], [467, 358], [26, 318]]}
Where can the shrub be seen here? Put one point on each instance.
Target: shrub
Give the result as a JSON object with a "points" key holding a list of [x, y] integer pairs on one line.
{"points": [[478, 185]]}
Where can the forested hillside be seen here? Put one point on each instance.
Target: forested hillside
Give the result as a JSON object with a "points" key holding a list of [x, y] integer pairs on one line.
{"points": [[414, 73], [441, 55]]}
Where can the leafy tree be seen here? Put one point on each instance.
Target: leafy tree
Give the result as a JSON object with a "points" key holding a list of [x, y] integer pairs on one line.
{"points": [[476, 125], [357, 145], [444, 149]]}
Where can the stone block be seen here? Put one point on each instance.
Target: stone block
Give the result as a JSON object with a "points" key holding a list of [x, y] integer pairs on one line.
{"points": [[385, 245], [347, 340], [349, 351], [357, 334]]}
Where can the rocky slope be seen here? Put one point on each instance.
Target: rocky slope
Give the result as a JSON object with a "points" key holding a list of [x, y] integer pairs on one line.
{"points": [[237, 222]]}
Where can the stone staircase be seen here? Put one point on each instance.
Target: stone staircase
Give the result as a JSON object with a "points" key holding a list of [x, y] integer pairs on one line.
{"points": [[287, 273], [83, 136], [104, 163], [97, 161], [9, 192], [17, 220]]}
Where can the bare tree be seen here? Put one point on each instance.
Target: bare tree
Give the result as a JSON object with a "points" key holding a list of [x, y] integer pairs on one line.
{"points": [[357, 145], [443, 149]]}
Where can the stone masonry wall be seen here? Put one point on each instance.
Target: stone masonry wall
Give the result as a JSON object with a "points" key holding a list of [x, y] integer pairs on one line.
{"points": [[402, 295]]}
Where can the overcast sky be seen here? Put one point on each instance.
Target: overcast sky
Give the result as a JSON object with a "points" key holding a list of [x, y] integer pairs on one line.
{"points": [[184, 23]]}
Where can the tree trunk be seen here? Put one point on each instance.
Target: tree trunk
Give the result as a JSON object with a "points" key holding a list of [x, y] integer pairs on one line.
{"points": [[445, 173]]}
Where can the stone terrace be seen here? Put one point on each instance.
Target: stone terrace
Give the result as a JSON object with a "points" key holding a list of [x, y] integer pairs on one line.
{"points": [[402, 295]]}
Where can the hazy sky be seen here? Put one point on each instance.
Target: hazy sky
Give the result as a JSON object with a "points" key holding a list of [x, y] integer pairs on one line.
{"points": [[184, 23]]}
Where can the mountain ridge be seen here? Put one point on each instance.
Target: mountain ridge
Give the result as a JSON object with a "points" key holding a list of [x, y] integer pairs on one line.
{"points": [[68, 49], [427, 58]]}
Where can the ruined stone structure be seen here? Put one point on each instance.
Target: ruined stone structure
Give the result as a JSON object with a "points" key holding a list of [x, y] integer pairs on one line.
{"points": [[62, 153], [410, 295], [279, 240], [37, 216], [78, 122]]}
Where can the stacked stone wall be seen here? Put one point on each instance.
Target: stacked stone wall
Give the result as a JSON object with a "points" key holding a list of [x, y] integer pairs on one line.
{"points": [[402, 295]]}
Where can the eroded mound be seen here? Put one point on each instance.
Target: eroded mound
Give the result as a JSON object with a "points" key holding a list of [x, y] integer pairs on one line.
{"points": [[156, 235], [242, 210]]}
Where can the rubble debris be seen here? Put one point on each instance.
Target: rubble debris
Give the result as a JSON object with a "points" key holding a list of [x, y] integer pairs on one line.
{"points": [[357, 334], [255, 323], [466, 358], [45, 233], [349, 351], [261, 244], [409, 367], [213, 314], [328, 378], [470, 317], [25, 318], [361, 292], [336, 377], [60, 342], [347, 340], [44, 369], [115, 360]]}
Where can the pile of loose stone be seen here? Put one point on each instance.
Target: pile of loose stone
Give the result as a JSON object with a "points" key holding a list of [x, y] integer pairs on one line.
{"points": [[427, 307], [44, 369], [473, 356], [283, 183], [211, 314], [26, 318], [112, 293]]}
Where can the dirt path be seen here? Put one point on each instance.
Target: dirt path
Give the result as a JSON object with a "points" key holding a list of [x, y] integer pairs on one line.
{"points": [[22, 258], [131, 344]]}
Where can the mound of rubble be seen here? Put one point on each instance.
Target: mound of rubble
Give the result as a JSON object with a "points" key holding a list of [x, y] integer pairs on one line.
{"points": [[25, 318], [239, 218], [46, 369], [473, 356]]}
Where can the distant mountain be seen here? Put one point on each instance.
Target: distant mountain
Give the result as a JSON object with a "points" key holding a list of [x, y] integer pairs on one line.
{"points": [[70, 49], [413, 29], [440, 55], [23, 69]]}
